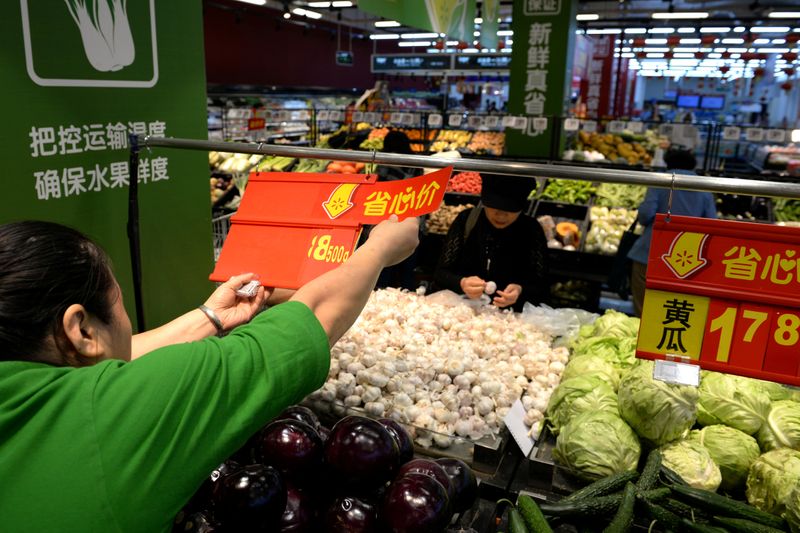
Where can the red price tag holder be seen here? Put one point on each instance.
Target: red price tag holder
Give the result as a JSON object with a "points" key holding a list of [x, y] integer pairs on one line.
{"points": [[724, 295], [292, 227], [256, 124]]}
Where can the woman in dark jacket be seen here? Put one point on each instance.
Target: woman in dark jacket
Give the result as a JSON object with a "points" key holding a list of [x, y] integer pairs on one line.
{"points": [[496, 242]]}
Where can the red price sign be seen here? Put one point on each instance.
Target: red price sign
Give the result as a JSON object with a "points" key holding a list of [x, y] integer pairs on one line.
{"points": [[725, 295], [256, 124]]}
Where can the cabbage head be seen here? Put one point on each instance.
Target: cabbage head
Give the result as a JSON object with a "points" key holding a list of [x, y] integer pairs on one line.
{"points": [[619, 352], [782, 427], [792, 514], [659, 412], [597, 393], [733, 401], [690, 460], [597, 444], [616, 324], [732, 450], [775, 391], [772, 479], [584, 365]]}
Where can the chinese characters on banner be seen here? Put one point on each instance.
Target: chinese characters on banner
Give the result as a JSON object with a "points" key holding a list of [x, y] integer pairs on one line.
{"points": [[541, 71], [55, 183], [599, 84], [312, 221], [725, 295]]}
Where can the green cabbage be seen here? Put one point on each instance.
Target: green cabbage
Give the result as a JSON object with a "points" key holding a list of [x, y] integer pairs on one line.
{"points": [[775, 391], [772, 478], [732, 450], [619, 352], [782, 427], [560, 408], [583, 365], [733, 401], [596, 445], [657, 411], [792, 514], [691, 461], [704, 418], [616, 324]]}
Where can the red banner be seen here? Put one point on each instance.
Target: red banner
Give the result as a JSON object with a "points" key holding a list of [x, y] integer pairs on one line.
{"points": [[726, 295], [292, 227]]}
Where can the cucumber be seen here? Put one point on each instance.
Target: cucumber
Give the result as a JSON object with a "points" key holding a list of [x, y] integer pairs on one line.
{"points": [[515, 522], [650, 471], [602, 505], [683, 510], [604, 486], [665, 519], [623, 520], [694, 527], [745, 526], [671, 477], [532, 515], [725, 506]]}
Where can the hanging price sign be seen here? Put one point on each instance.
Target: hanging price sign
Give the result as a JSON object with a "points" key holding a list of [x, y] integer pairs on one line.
{"points": [[409, 119], [323, 115], [521, 123], [454, 121], [589, 126], [435, 120], [256, 124], [616, 126], [396, 118], [358, 116], [724, 295], [507, 121], [636, 127], [776, 136], [754, 134], [475, 122], [731, 133], [571, 124], [336, 115], [491, 121], [373, 118]]}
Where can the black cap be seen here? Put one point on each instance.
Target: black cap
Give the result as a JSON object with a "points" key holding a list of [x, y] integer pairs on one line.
{"points": [[507, 193]]}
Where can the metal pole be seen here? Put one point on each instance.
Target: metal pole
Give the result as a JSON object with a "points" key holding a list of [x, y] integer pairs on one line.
{"points": [[133, 229], [664, 180]]}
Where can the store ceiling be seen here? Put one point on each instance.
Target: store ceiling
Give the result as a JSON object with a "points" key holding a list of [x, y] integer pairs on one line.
{"points": [[618, 13]]}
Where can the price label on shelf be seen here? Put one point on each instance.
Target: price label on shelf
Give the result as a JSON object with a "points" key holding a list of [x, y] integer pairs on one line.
{"points": [[666, 130], [409, 119], [731, 133], [539, 123], [396, 118], [507, 121], [515, 422], [521, 123], [589, 126], [336, 115], [754, 134], [323, 115], [571, 124], [636, 127], [491, 121], [358, 116], [454, 121], [616, 126], [776, 136], [475, 122], [283, 116], [724, 295], [435, 120], [303, 114]]}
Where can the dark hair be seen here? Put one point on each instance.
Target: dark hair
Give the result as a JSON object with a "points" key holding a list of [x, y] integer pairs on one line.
{"points": [[680, 158], [397, 142], [45, 268]]}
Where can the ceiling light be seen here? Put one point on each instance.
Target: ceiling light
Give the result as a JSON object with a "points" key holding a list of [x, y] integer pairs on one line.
{"points": [[715, 29], [470, 50], [774, 50], [255, 2], [732, 41], [770, 29], [655, 55], [635, 30], [604, 31], [628, 54], [761, 41], [419, 35], [778, 41], [387, 24], [307, 13], [509, 41], [686, 30], [342, 3], [683, 55], [478, 20], [655, 41], [652, 49], [383, 36], [319, 4], [690, 41], [661, 30], [476, 34], [587, 17], [784, 15], [503, 33], [680, 15], [739, 29], [287, 15], [414, 43], [451, 43]]}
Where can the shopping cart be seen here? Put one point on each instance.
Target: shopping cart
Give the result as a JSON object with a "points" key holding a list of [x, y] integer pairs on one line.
{"points": [[219, 227]]}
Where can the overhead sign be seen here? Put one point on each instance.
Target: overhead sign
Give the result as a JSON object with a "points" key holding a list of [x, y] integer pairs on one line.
{"points": [[293, 227], [724, 295], [410, 62], [482, 62]]}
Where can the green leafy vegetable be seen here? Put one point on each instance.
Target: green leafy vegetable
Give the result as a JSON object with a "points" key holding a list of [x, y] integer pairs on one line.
{"points": [[733, 401], [584, 365], [732, 450], [772, 479], [782, 427], [691, 461], [564, 403], [620, 195]]}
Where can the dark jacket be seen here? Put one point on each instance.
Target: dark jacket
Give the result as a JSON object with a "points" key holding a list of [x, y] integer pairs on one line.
{"points": [[515, 254]]}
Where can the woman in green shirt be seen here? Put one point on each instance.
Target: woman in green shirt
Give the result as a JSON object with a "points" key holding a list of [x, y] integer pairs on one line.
{"points": [[94, 437]]}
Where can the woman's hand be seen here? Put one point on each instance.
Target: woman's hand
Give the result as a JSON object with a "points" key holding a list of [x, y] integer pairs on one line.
{"points": [[473, 287], [509, 296], [234, 310]]}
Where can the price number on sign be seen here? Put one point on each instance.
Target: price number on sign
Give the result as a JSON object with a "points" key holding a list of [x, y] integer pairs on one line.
{"points": [[454, 121], [589, 126], [616, 126], [754, 134], [752, 336], [435, 120], [321, 249]]}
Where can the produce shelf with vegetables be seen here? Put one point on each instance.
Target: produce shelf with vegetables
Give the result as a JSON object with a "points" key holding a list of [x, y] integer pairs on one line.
{"points": [[742, 207]]}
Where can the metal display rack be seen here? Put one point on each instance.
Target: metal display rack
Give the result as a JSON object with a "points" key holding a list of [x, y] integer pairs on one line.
{"points": [[665, 180]]}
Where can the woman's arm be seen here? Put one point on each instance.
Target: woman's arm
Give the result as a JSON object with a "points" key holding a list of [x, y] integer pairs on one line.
{"points": [[337, 297]]}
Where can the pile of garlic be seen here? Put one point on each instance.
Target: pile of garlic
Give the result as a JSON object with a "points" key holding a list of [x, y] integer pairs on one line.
{"points": [[445, 370]]}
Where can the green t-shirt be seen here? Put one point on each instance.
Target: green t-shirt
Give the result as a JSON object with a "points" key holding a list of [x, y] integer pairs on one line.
{"points": [[122, 446]]}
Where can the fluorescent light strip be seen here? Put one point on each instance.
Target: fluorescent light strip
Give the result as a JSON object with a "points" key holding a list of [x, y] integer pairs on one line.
{"points": [[587, 17], [470, 50], [419, 35], [690, 41], [383, 36], [680, 15], [715, 29], [604, 31], [342, 3], [655, 41], [307, 13], [478, 20], [770, 29], [635, 30], [739, 29], [784, 15], [387, 24], [414, 43], [732, 41], [451, 43], [319, 4], [774, 50], [662, 30], [254, 2], [503, 33], [476, 34]]}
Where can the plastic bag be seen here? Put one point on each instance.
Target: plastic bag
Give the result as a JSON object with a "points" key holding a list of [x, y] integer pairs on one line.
{"points": [[451, 299], [563, 322]]}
